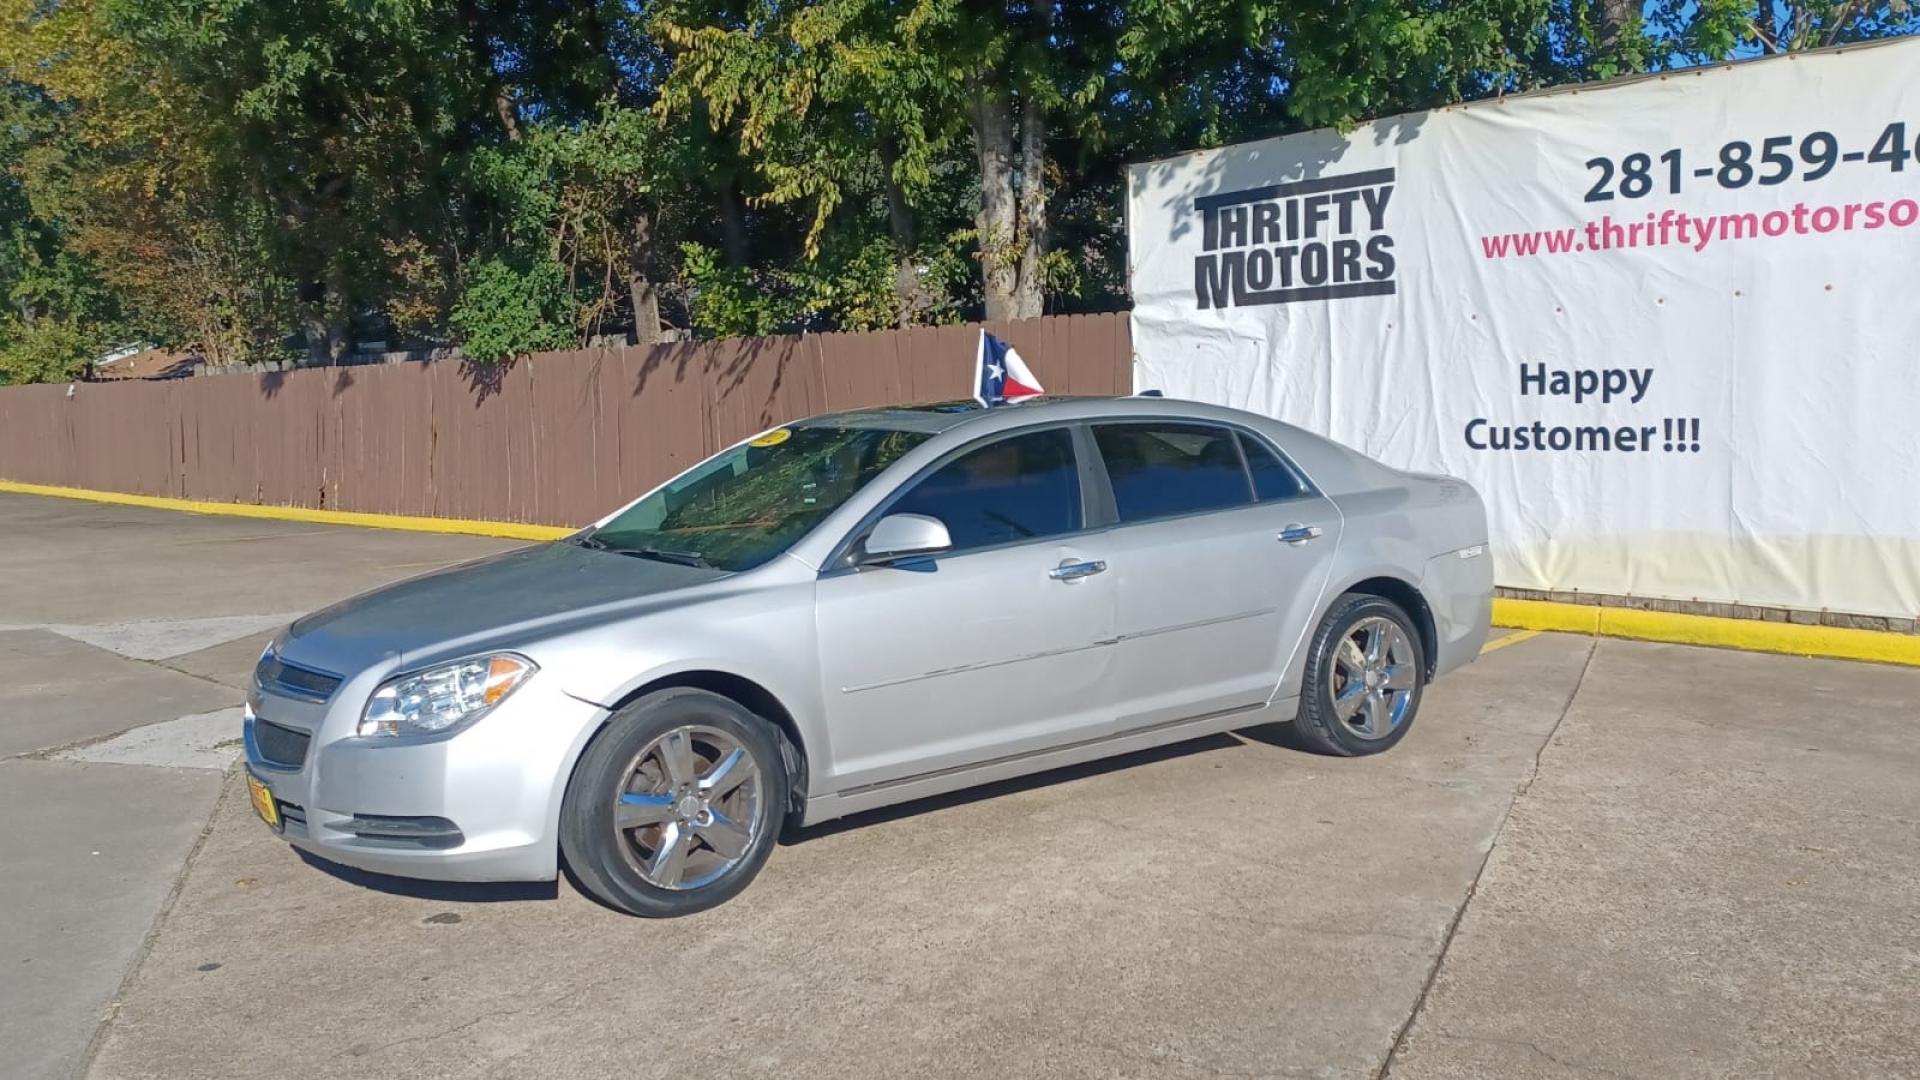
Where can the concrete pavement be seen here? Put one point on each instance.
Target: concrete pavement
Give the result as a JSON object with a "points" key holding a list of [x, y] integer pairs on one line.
{"points": [[91, 854], [1716, 873], [1230, 907], [1590, 858], [125, 638]]}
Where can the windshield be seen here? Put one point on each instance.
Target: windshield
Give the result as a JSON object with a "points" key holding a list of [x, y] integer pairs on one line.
{"points": [[743, 507]]}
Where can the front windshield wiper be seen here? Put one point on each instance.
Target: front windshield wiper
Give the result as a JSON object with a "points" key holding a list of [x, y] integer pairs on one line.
{"points": [[684, 558], [588, 540]]}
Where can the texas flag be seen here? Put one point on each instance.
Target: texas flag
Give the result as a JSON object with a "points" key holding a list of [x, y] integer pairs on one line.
{"points": [[1001, 376]]}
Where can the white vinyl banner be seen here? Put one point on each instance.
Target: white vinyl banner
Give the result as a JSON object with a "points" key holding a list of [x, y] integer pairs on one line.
{"points": [[1667, 327]]}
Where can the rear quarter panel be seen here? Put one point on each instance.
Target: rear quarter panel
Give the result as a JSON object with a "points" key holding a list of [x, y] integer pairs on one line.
{"points": [[1411, 527], [1431, 532]]}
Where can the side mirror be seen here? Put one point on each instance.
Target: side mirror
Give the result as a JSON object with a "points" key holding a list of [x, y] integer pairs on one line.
{"points": [[900, 536]]}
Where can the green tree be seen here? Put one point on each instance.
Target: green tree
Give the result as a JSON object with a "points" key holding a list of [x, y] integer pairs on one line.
{"points": [[257, 179], [573, 243], [334, 120], [1598, 39]]}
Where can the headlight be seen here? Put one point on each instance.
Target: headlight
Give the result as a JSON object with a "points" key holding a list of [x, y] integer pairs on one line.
{"points": [[444, 698]]}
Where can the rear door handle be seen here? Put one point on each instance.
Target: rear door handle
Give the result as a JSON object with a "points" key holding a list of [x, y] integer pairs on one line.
{"points": [[1299, 534], [1074, 571]]}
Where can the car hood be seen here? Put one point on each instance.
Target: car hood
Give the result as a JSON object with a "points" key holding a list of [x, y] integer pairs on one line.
{"points": [[492, 597]]}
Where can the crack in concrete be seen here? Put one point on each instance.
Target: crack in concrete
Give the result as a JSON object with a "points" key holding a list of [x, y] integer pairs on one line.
{"points": [[161, 639], [51, 753], [361, 1050], [221, 683], [48, 753], [1574, 1066], [1473, 888], [1195, 1064], [139, 957]]}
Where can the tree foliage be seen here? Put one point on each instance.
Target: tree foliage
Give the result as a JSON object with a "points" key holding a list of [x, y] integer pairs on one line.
{"points": [[294, 179]]}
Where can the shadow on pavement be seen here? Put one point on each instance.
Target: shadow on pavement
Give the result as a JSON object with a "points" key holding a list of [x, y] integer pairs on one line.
{"points": [[1283, 735], [1279, 735], [460, 892]]}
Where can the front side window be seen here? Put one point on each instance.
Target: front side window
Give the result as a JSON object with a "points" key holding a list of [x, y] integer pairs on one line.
{"points": [[1020, 488], [1163, 468], [746, 505]]}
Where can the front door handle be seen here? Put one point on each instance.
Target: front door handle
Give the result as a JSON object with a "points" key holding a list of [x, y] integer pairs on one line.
{"points": [[1299, 534], [1074, 571]]}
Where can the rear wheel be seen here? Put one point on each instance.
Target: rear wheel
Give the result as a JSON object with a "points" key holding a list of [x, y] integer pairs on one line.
{"points": [[675, 807], [1365, 674]]}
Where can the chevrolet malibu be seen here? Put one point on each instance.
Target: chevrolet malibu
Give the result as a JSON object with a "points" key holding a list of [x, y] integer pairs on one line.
{"points": [[857, 610]]}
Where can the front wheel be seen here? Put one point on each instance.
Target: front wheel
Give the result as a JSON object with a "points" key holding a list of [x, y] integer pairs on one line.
{"points": [[1365, 674], [675, 807]]}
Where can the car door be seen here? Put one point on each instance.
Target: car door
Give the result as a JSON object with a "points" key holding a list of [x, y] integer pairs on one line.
{"points": [[1219, 556], [987, 651]]}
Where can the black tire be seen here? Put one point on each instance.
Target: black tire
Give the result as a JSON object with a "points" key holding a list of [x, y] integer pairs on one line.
{"points": [[606, 861], [1319, 723]]}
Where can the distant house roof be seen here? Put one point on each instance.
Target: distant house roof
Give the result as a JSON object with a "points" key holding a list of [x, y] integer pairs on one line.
{"points": [[143, 361]]}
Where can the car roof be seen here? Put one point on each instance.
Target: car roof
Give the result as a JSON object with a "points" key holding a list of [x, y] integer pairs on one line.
{"points": [[931, 418], [1330, 466], [942, 416]]}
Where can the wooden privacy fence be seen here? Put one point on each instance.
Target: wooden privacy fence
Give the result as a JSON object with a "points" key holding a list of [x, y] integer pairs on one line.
{"points": [[555, 438]]}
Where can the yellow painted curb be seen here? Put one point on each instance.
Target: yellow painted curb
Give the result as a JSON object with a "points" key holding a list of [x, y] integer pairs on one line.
{"points": [[1505, 640], [1836, 642], [511, 530]]}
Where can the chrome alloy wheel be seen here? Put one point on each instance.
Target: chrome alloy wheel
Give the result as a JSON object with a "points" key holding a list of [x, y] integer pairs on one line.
{"points": [[690, 808], [1373, 677]]}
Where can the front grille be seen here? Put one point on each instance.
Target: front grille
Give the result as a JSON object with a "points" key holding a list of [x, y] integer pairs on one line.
{"points": [[281, 746], [293, 680]]}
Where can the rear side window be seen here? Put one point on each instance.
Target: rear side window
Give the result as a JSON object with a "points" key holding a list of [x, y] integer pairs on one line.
{"points": [[1163, 469], [1271, 477], [1020, 488]]}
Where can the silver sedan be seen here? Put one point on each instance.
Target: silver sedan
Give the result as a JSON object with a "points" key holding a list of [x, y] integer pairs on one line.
{"points": [[857, 610]]}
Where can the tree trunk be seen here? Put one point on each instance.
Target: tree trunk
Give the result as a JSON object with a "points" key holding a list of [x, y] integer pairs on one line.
{"points": [[326, 320], [508, 112], [646, 308], [504, 108], [595, 31], [313, 322], [733, 224], [1767, 29], [909, 298], [315, 327], [339, 312], [998, 220], [1030, 295], [641, 288], [1615, 17]]}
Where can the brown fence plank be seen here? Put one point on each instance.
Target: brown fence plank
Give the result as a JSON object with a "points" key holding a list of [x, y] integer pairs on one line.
{"points": [[566, 460], [661, 415]]}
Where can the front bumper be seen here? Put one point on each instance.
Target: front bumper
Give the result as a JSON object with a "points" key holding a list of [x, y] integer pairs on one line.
{"points": [[479, 805]]}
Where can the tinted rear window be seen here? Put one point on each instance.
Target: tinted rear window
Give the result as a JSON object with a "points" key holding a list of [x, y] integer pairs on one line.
{"points": [[1271, 477], [1163, 469]]}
